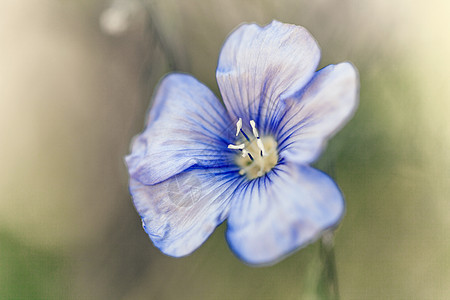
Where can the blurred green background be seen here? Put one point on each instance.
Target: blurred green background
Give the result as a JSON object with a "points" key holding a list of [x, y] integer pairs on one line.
{"points": [[76, 78]]}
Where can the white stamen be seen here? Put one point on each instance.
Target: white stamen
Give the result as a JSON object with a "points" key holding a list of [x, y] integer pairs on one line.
{"points": [[260, 145], [255, 131], [238, 126], [253, 160], [236, 147]]}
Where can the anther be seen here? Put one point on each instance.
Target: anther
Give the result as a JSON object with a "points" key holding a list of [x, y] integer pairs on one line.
{"points": [[238, 126], [255, 131], [241, 148], [259, 143], [236, 147], [239, 129]]}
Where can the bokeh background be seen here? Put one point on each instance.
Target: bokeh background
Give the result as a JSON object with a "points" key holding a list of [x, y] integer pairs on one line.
{"points": [[76, 78]]}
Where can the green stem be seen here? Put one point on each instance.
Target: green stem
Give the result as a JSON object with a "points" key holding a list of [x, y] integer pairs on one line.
{"points": [[328, 287]]}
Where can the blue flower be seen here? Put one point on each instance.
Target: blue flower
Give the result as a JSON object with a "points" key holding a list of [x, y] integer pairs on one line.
{"points": [[198, 162]]}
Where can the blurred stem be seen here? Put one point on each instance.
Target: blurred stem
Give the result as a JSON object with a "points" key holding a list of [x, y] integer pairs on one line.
{"points": [[328, 287], [154, 27]]}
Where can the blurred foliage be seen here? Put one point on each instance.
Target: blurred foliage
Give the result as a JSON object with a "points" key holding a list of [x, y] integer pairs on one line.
{"points": [[73, 96], [27, 272]]}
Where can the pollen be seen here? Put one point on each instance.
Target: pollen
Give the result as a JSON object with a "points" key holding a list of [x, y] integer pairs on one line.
{"points": [[258, 155]]}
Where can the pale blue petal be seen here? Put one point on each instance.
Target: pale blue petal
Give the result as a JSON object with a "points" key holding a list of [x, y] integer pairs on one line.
{"points": [[258, 66], [180, 213], [325, 105], [288, 208], [187, 126]]}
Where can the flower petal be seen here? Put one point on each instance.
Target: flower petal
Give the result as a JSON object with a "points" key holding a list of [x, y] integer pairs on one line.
{"points": [[282, 211], [258, 66], [187, 126], [325, 105], [180, 213]]}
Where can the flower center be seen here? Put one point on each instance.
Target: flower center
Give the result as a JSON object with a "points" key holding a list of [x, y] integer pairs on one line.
{"points": [[258, 155]]}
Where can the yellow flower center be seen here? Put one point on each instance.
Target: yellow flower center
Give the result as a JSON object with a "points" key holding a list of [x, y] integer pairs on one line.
{"points": [[257, 156]]}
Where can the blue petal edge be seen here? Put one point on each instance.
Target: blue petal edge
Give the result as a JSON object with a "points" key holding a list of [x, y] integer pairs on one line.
{"points": [[287, 210], [187, 126]]}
